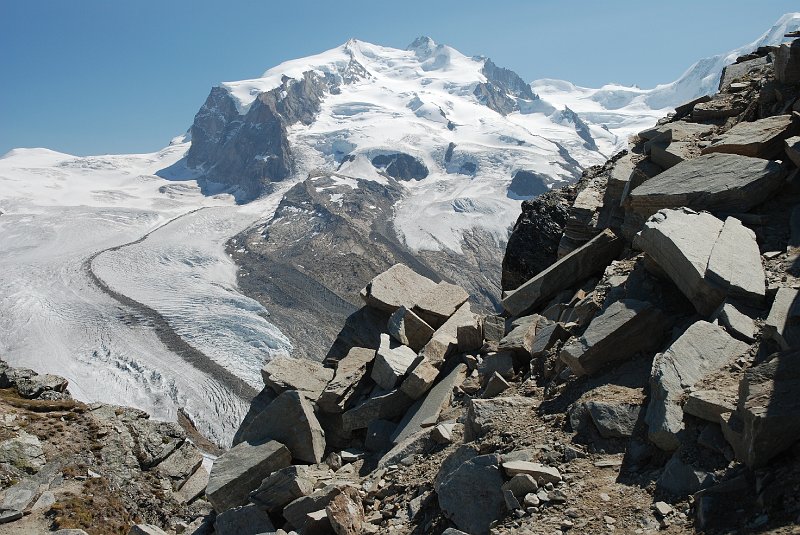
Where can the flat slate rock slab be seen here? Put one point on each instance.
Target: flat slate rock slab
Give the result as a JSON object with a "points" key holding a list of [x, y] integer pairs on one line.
{"points": [[715, 182], [758, 139]]}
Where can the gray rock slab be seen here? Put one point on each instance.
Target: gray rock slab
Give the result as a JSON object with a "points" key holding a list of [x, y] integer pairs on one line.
{"points": [[786, 63], [290, 420], [759, 139], [783, 323], [286, 373], [9, 515], [495, 386], [23, 452], [613, 419], [20, 496], [425, 412], [409, 329], [183, 462], [792, 149], [350, 372], [494, 327], [547, 336], [445, 340], [710, 404], [397, 286], [541, 473], [736, 71], [146, 529], [680, 242], [590, 258], [240, 470], [769, 408], [521, 484], [296, 511], [420, 379], [681, 479], [702, 349], [476, 481], [625, 328], [247, 520], [438, 304], [283, 486], [520, 338], [501, 363], [381, 405], [735, 263], [738, 324], [194, 487], [714, 182], [392, 362]]}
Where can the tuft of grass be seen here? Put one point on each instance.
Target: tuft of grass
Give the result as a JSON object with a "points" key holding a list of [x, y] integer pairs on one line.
{"points": [[98, 510]]}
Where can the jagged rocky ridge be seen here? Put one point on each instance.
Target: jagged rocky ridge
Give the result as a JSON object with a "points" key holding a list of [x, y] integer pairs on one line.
{"points": [[644, 377]]}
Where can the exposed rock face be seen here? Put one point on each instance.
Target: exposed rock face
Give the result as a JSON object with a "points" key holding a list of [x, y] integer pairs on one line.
{"points": [[533, 244], [401, 166], [759, 139], [248, 152]]}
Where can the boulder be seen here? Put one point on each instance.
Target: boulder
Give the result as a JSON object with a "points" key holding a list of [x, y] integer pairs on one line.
{"points": [[345, 512], [702, 349], [351, 371], [283, 486], [240, 470], [438, 304], [380, 405], [736, 71], [246, 431], [613, 419], [681, 242], [521, 484], [710, 404], [792, 149], [495, 385], [494, 327], [625, 328], [397, 286], [246, 520], [179, 466], [420, 379], [194, 487], [548, 334], [590, 258], [392, 362], [720, 107], [471, 495], [787, 63], [759, 139], [290, 419], [307, 377], [296, 512], [783, 322], [735, 263], [714, 182], [425, 412], [769, 408], [23, 452], [445, 340], [154, 441], [146, 529], [541, 473], [501, 363], [520, 338], [738, 324], [409, 329], [681, 479]]}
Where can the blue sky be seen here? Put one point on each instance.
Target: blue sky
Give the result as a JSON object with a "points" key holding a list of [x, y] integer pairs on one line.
{"points": [[100, 76]]}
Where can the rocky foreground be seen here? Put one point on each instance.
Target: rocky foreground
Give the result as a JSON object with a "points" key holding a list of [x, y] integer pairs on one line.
{"points": [[643, 377]]}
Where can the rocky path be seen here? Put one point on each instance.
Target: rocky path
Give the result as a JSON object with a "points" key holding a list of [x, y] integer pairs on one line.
{"points": [[161, 326]]}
